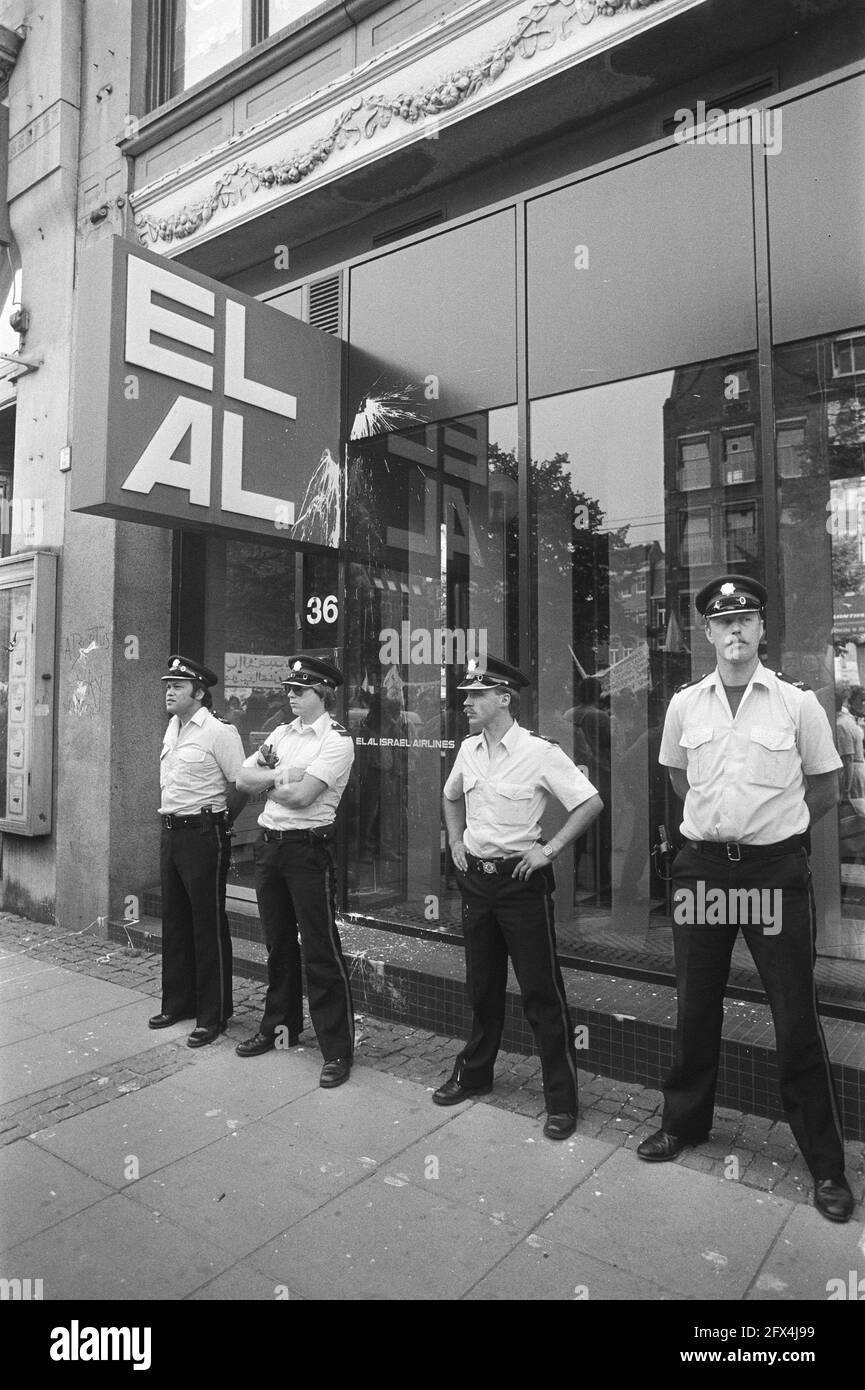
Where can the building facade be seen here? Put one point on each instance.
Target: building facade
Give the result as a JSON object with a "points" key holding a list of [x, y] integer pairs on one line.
{"points": [[597, 272]]}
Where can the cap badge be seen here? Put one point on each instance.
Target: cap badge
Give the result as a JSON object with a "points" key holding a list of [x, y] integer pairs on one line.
{"points": [[472, 667], [728, 589], [296, 666]]}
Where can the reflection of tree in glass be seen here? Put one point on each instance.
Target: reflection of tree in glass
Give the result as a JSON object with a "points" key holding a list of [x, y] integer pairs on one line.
{"points": [[259, 592], [567, 540], [848, 572]]}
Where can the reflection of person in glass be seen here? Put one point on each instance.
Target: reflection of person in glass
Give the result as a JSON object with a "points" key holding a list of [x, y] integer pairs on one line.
{"points": [[493, 801], [751, 754], [851, 811], [304, 768], [592, 747], [383, 778], [850, 745]]}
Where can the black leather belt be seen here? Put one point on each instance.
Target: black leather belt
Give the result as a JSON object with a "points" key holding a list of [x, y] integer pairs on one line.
{"points": [[176, 822], [317, 832], [492, 866], [734, 853]]}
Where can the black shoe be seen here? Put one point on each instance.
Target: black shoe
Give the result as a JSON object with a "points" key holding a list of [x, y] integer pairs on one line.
{"points": [[833, 1198], [335, 1072], [560, 1126], [254, 1046], [452, 1092], [162, 1021], [200, 1037], [661, 1146]]}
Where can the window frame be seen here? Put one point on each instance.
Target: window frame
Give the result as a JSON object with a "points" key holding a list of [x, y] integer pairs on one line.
{"points": [[161, 31], [851, 341]]}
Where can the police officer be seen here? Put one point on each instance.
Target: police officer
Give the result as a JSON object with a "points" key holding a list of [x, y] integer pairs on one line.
{"points": [[494, 798], [201, 757], [304, 767], [750, 753]]}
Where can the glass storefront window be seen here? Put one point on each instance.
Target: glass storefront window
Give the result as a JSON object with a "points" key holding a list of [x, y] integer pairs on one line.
{"points": [[264, 603], [820, 408], [635, 505], [431, 577]]}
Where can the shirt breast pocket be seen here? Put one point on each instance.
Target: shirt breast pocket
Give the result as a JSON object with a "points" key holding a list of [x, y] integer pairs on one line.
{"points": [[191, 756], [193, 768], [697, 743], [512, 803], [772, 757], [470, 790]]}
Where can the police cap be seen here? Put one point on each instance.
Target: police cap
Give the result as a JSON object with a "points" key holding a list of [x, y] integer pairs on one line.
{"points": [[183, 668], [732, 593], [489, 675], [308, 671]]}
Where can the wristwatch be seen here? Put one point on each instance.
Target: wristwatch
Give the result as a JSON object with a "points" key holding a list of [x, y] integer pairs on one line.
{"points": [[548, 851]]}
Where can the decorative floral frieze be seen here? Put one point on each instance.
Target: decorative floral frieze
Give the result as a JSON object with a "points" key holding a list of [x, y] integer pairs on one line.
{"points": [[547, 23]]}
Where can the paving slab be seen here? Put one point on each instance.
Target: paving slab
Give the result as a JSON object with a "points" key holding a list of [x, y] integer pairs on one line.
{"points": [[12, 1029], [251, 1186], [695, 1235], [69, 1000], [39, 1190], [377, 1241], [95, 1039], [809, 1258], [26, 1066], [498, 1164], [399, 1115], [251, 1086], [21, 974], [542, 1270], [244, 1283], [155, 1127], [114, 1250]]}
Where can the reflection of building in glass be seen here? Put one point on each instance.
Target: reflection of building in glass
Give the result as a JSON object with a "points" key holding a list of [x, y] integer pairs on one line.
{"points": [[819, 390], [638, 605], [711, 479]]}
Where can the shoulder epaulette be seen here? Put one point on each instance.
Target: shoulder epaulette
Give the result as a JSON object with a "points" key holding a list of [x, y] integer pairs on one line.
{"points": [[535, 734], [340, 728], [687, 684], [800, 685]]}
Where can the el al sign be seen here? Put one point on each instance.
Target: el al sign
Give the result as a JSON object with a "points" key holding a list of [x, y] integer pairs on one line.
{"points": [[196, 405]]}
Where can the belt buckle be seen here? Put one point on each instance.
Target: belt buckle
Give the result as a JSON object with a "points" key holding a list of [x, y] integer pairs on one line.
{"points": [[488, 866], [734, 858]]}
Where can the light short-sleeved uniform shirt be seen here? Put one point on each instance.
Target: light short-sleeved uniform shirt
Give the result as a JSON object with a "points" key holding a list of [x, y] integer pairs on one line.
{"points": [[746, 775], [198, 762], [507, 789], [325, 750]]}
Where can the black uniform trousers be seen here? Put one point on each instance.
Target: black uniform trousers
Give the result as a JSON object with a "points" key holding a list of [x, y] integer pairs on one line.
{"points": [[295, 887], [503, 915], [784, 953], [196, 944]]}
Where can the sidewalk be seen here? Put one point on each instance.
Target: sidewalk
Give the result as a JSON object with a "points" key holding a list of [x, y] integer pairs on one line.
{"points": [[135, 1168]]}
